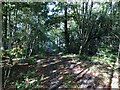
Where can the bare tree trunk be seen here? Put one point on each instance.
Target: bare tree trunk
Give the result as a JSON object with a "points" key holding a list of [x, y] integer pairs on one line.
{"points": [[5, 30], [85, 35], [10, 30], [66, 31]]}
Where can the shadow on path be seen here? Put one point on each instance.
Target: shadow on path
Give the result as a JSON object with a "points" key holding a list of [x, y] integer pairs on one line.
{"points": [[64, 72]]}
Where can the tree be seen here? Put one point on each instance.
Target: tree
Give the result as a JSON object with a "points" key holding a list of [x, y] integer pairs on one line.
{"points": [[66, 31]]}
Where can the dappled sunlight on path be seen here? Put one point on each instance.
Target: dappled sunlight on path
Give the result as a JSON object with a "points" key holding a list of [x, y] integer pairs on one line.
{"points": [[66, 72]]}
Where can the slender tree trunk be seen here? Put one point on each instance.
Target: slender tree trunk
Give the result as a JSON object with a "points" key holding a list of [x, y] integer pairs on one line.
{"points": [[10, 30], [5, 30], [82, 27], [10, 35], [66, 31]]}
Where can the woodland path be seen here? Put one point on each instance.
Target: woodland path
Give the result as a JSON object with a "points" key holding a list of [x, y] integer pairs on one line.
{"points": [[59, 71]]}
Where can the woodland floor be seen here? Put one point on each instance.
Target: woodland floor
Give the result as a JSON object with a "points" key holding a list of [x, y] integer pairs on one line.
{"points": [[67, 71]]}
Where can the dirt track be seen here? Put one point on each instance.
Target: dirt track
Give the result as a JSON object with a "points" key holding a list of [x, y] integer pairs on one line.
{"points": [[67, 72]]}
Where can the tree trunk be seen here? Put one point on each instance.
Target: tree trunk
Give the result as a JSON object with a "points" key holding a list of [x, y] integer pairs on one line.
{"points": [[10, 30], [5, 30], [66, 31]]}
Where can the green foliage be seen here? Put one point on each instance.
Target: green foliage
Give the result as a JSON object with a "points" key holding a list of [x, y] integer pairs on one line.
{"points": [[30, 60], [28, 29], [104, 54], [15, 52], [26, 84]]}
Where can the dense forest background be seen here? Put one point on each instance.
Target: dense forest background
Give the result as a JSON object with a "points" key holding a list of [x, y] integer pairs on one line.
{"points": [[34, 30]]}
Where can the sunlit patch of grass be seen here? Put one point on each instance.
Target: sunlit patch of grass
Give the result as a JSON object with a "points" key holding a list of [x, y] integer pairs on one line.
{"points": [[105, 56]]}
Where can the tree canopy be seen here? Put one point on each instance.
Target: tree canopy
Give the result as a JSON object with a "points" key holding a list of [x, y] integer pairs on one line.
{"points": [[37, 29]]}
